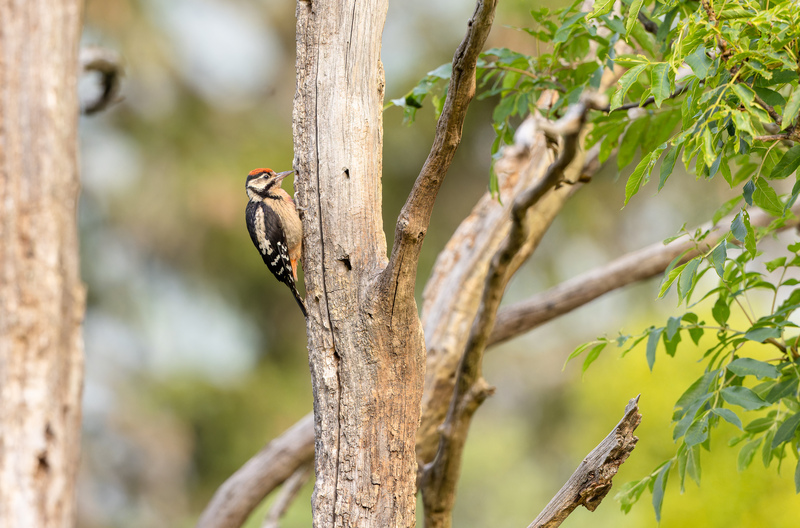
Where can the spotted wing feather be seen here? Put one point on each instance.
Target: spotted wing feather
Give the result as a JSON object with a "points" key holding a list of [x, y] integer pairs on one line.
{"points": [[267, 234]]}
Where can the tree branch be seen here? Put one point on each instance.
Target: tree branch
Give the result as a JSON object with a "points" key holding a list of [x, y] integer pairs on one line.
{"points": [[649, 25], [107, 63], [440, 477], [291, 488], [591, 482], [236, 499], [647, 102], [634, 267], [412, 224]]}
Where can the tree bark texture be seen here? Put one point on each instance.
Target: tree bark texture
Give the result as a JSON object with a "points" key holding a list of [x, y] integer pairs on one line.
{"points": [[41, 296], [366, 350]]}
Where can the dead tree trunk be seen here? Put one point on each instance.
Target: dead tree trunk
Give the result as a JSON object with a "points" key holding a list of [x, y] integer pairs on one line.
{"points": [[41, 296], [365, 340]]}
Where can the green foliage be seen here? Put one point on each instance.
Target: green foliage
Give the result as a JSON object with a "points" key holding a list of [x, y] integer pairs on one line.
{"points": [[715, 86]]}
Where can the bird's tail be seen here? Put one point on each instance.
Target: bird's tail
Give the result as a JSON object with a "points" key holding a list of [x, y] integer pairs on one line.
{"points": [[300, 302]]}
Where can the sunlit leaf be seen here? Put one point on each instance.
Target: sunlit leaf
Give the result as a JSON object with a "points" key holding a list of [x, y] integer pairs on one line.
{"points": [[752, 367], [743, 397]]}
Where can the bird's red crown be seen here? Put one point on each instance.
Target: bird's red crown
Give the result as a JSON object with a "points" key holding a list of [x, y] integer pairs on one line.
{"points": [[256, 172]]}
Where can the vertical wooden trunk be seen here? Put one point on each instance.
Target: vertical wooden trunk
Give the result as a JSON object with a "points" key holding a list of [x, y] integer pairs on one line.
{"points": [[41, 296], [364, 335]]}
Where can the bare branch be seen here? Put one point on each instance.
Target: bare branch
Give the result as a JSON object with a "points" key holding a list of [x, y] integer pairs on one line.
{"points": [[440, 477], [108, 64], [291, 488], [634, 267], [776, 137], [591, 482], [412, 224], [236, 499]]}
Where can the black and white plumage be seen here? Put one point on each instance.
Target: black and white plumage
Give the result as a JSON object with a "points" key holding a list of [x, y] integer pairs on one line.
{"points": [[275, 227]]}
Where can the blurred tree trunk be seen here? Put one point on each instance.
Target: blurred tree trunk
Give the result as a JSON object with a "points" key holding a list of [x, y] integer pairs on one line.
{"points": [[41, 296], [364, 335]]}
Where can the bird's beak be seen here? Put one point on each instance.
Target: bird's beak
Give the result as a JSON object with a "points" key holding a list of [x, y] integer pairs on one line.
{"points": [[281, 175]]}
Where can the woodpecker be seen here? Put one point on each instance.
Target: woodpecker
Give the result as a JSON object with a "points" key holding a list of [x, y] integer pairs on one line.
{"points": [[275, 226]]}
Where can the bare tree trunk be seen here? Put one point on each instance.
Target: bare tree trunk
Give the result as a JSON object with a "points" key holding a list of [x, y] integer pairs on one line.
{"points": [[41, 296], [364, 335]]}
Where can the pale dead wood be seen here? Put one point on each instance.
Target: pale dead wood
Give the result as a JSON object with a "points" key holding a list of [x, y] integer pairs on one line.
{"points": [[42, 299], [412, 224], [291, 488], [453, 292], [440, 477], [634, 267], [591, 482], [108, 64], [366, 350], [236, 499]]}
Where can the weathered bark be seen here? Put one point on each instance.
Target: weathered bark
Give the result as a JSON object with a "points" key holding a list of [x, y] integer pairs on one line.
{"points": [[366, 350], [591, 482], [41, 296]]}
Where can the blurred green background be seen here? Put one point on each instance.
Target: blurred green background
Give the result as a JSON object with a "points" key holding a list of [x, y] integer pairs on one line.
{"points": [[194, 360]]}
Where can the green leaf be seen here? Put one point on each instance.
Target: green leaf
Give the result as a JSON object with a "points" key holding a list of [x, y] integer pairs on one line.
{"points": [[593, 354], [673, 324], [791, 108], [697, 432], [566, 29], [688, 278], [797, 478], [770, 97], [652, 344], [659, 486], [668, 165], [601, 7], [631, 141], [743, 397], [625, 82], [747, 192], [669, 279], [635, 179], [787, 164], [766, 198], [721, 311], [750, 238], [774, 264], [786, 431], [633, 14], [696, 390], [699, 62], [717, 258], [737, 227], [762, 334], [728, 415], [747, 453], [753, 367], [659, 83]]}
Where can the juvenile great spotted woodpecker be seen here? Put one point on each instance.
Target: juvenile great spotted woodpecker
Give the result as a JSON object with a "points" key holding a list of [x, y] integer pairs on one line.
{"points": [[275, 226]]}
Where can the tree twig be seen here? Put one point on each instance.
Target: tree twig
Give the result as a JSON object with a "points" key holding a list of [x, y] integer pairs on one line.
{"points": [[647, 102], [412, 224], [776, 137], [591, 482], [107, 63], [440, 477], [235, 500], [631, 268], [291, 488]]}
